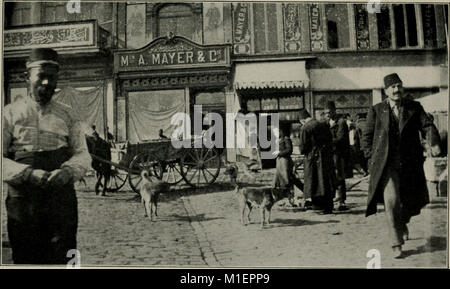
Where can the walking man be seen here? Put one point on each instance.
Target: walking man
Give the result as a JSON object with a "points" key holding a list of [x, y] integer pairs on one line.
{"points": [[391, 141], [44, 153]]}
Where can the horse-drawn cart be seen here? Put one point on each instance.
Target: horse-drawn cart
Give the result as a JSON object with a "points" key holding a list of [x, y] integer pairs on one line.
{"points": [[198, 167]]}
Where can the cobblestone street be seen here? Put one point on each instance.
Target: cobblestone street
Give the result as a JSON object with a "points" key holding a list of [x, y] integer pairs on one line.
{"points": [[201, 228]]}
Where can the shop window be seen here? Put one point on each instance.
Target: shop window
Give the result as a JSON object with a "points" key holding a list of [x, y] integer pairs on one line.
{"points": [[417, 93], [405, 25], [176, 18], [384, 28], [337, 26], [286, 104], [21, 13], [266, 24], [355, 103], [429, 25]]}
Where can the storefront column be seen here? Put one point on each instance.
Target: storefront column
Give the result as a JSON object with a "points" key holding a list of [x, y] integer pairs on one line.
{"points": [[110, 105], [230, 100], [376, 96]]}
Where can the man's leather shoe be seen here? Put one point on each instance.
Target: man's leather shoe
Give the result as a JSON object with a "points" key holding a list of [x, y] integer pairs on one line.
{"points": [[397, 252], [308, 205]]}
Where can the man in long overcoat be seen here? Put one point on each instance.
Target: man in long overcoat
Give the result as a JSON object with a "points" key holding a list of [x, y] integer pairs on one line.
{"points": [[319, 175], [391, 140]]}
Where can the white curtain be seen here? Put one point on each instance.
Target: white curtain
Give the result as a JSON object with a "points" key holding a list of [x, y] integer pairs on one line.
{"points": [[87, 104], [150, 111]]}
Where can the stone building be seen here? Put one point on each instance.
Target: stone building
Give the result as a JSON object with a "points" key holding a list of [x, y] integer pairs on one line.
{"points": [[137, 64]]}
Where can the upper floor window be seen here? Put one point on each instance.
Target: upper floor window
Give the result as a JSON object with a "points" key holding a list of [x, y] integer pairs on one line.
{"points": [[267, 21], [405, 25], [338, 27], [176, 18], [21, 13], [54, 12], [384, 27]]}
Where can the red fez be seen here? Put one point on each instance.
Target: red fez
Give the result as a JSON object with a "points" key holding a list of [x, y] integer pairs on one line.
{"points": [[40, 56], [391, 79]]}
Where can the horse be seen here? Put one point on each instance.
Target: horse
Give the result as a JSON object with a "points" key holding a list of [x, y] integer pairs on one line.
{"points": [[102, 149]]}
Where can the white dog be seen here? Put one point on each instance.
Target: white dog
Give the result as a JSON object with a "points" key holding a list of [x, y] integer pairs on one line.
{"points": [[150, 188]]}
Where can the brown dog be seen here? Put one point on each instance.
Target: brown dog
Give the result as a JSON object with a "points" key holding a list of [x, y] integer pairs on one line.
{"points": [[150, 188], [250, 197]]}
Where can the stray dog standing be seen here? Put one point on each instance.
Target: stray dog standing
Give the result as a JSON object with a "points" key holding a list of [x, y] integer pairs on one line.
{"points": [[250, 197], [150, 188]]}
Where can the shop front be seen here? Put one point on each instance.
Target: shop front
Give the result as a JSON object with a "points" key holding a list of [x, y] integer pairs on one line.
{"points": [[167, 77], [267, 87]]}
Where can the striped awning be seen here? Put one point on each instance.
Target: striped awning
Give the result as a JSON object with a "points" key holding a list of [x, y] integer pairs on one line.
{"points": [[281, 74]]}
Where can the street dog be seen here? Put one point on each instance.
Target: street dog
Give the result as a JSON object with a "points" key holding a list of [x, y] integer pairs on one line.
{"points": [[150, 189], [250, 197]]}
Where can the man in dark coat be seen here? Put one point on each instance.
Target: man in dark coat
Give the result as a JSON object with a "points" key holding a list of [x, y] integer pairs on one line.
{"points": [[341, 151], [391, 140], [319, 175]]}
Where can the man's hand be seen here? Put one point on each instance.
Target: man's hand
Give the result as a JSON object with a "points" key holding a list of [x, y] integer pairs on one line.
{"points": [[435, 150], [60, 177], [37, 177]]}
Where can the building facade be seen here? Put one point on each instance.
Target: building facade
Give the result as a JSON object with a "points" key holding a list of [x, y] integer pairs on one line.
{"points": [[138, 64]]}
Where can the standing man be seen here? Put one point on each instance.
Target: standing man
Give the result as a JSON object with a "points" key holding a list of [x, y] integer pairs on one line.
{"points": [[44, 153], [319, 175], [341, 151], [391, 141]]}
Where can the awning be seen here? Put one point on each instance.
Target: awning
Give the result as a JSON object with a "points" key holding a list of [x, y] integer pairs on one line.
{"points": [[435, 102], [281, 74]]}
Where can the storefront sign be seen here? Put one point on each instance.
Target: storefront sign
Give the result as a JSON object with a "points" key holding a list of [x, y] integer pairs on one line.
{"points": [[362, 27], [175, 52], [241, 30], [49, 36], [317, 36], [291, 27]]}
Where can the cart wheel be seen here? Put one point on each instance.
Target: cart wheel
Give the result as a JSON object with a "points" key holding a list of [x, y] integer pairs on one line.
{"points": [[172, 173], [143, 161], [117, 180], [200, 167]]}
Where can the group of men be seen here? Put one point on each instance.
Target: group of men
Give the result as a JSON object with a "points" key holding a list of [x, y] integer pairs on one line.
{"points": [[326, 146], [45, 152], [391, 141]]}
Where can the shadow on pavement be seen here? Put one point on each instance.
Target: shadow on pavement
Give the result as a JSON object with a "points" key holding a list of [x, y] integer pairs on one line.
{"points": [[434, 243], [196, 218], [298, 222], [350, 211]]}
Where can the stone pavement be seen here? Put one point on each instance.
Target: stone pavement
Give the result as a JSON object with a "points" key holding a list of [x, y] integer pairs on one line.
{"points": [[201, 228]]}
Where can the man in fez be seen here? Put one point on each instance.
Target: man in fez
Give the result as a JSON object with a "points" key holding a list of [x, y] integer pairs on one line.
{"points": [[391, 139], [44, 153], [341, 151]]}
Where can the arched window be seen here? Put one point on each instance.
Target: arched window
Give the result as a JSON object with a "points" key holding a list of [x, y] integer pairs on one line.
{"points": [[176, 18]]}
